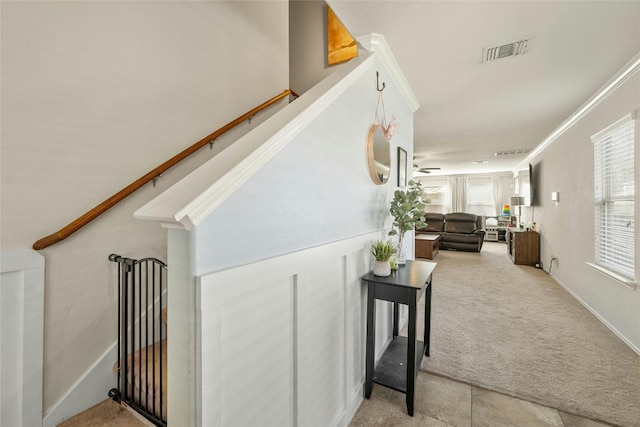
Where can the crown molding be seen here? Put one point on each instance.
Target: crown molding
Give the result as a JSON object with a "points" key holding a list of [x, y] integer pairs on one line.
{"points": [[620, 78], [376, 43]]}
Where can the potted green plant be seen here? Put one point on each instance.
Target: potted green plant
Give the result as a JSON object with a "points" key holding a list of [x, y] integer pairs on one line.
{"points": [[407, 209], [382, 250]]}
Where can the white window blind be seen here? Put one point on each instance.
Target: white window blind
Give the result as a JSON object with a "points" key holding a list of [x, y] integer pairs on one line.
{"points": [[436, 193], [480, 196], [615, 197]]}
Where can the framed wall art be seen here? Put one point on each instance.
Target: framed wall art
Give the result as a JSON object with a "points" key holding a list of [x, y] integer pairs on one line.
{"points": [[402, 168]]}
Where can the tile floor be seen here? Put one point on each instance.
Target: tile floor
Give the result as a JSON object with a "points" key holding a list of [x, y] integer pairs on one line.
{"points": [[441, 402]]}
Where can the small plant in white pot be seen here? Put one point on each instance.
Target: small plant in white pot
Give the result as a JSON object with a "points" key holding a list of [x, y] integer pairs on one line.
{"points": [[382, 250]]}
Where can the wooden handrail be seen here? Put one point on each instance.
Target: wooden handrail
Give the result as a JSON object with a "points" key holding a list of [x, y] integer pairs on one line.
{"points": [[98, 210]]}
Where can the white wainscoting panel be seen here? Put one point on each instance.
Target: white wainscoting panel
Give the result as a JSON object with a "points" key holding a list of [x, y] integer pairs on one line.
{"points": [[282, 341], [247, 349], [321, 341], [355, 327], [21, 338]]}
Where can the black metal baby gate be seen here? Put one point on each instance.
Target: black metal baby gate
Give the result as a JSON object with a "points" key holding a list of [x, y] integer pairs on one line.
{"points": [[142, 337]]}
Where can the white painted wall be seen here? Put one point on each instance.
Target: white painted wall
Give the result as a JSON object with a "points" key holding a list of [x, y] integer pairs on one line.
{"points": [[308, 44], [95, 95], [315, 191], [567, 227]]}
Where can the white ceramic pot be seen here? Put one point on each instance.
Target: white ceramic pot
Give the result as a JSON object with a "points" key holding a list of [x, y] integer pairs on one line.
{"points": [[381, 268]]}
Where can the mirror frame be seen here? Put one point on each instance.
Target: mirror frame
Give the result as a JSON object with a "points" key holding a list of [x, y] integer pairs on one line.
{"points": [[371, 160]]}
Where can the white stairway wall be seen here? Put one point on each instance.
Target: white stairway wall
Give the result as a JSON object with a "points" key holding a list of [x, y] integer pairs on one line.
{"points": [[317, 188], [297, 183], [280, 329], [96, 94]]}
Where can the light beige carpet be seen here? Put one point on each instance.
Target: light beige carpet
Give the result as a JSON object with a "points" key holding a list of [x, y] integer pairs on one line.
{"points": [[514, 330], [107, 413]]}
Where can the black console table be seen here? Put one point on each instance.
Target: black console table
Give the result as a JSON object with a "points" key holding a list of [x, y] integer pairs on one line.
{"points": [[399, 365]]}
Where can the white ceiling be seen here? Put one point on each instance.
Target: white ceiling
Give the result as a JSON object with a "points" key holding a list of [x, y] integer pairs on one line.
{"points": [[470, 110]]}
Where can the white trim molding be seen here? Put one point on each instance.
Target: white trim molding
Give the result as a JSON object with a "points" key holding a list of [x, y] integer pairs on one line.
{"points": [[376, 43], [620, 78], [89, 390], [615, 276], [597, 315]]}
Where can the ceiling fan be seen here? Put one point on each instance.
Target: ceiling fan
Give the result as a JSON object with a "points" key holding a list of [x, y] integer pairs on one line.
{"points": [[416, 168]]}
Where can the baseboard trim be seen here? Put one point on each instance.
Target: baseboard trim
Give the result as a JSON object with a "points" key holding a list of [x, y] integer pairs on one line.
{"points": [[90, 389], [598, 316], [354, 404]]}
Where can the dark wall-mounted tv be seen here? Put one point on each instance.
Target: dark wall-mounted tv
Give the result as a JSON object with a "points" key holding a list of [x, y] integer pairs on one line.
{"points": [[532, 186]]}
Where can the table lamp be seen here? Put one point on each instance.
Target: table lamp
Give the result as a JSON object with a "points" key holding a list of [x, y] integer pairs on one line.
{"points": [[517, 201]]}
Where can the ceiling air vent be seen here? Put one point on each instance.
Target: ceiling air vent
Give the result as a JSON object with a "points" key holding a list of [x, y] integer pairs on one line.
{"points": [[505, 50], [510, 152]]}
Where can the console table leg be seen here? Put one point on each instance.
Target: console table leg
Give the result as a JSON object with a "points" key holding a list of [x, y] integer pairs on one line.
{"points": [[371, 333], [427, 319], [396, 316], [411, 352]]}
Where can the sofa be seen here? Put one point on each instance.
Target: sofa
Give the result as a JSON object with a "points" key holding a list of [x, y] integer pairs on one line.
{"points": [[458, 231]]}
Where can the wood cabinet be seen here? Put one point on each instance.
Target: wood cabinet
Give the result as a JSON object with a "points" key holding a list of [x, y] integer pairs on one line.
{"points": [[523, 246]]}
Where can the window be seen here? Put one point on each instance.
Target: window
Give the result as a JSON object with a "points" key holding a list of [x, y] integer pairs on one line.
{"points": [[480, 196], [615, 198], [436, 193]]}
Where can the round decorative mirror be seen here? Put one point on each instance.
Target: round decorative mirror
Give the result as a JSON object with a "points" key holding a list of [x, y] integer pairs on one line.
{"points": [[378, 155]]}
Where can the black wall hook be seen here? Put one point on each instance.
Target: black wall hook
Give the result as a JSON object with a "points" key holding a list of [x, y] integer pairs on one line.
{"points": [[378, 83]]}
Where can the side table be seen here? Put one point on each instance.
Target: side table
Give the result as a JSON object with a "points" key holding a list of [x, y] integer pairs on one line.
{"points": [[427, 245], [399, 365]]}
